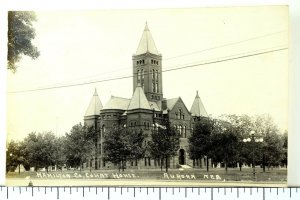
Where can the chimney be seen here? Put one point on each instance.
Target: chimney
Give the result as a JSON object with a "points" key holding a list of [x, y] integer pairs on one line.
{"points": [[164, 104]]}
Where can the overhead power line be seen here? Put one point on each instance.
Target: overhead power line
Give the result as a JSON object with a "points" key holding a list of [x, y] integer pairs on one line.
{"points": [[212, 61], [182, 55]]}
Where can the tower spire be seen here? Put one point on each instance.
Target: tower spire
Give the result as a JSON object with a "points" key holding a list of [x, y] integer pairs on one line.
{"points": [[146, 43]]}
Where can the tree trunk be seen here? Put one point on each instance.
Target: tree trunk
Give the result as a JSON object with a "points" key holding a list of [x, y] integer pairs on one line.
{"points": [[207, 167], [166, 163], [240, 165], [19, 168], [161, 164]]}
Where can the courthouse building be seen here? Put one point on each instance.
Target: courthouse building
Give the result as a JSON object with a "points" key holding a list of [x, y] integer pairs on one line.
{"points": [[146, 109]]}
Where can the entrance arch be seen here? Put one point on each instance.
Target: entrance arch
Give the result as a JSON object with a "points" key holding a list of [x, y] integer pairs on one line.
{"points": [[181, 158]]}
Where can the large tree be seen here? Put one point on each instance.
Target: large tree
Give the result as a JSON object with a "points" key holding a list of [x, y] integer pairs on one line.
{"points": [[14, 156], [20, 35], [201, 139], [225, 144], [39, 149], [122, 145], [164, 143], [79, 146]]}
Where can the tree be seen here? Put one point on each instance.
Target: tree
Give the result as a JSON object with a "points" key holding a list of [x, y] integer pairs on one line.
{"points": [[200, 140], [78, 146], [164, 143], [59, 152], [20, 35], [121, 145], [14, 156], [225, 144], [39, 149], [242, 126]]}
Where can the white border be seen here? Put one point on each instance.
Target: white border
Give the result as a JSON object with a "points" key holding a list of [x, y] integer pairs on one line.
{"points": [[294, 78]]}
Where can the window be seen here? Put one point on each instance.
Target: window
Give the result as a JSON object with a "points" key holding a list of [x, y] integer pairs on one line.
{"points": [[156, 87], [153, 74], [138, 75], [156, 75], [103, 129], [153, 87], [180, 129], [184, 131], [143, 61], [143, 75]]}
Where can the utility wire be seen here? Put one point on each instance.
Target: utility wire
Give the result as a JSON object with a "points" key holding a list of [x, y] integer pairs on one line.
{"points": [[225, 45], [182, 55], [217, 60]]}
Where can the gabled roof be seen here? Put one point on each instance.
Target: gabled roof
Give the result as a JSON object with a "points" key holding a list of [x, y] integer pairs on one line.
{"points": [[117, 103], [146, 43], [95, 105], [139, 100], [171, 102], [198, 107]]}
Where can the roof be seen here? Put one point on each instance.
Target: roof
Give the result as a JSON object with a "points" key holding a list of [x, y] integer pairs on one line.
{"points": [[95, 105], [139, 100], [154, 105], [117, 103], [146, 43], [171, 102], [198, 107]]}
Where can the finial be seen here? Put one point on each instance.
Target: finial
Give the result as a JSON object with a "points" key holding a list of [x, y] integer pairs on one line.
{"points": [[146, 26], [197, 94], [95, 93]]}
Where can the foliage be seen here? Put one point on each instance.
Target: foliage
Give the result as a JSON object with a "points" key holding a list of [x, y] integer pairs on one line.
{"points": [[14, 156], [121, 145], [164, 143], [225, 144], [20, 35], [200, 141], [39, 149], [78, 146], [269, 152]]}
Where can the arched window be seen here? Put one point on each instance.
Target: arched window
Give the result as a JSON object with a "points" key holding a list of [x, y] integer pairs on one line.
{"points": [[156, 75], [153, 87], [143, 75], [180, 113], [153, 74], [103, 128], [180, 129], [138, 75]]}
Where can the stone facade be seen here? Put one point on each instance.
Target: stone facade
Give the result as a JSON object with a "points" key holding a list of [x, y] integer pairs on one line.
{"points": [[145, 110]]}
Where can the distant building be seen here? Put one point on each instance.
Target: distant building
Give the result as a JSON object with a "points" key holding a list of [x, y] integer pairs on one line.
{"points": [[146, 108]]}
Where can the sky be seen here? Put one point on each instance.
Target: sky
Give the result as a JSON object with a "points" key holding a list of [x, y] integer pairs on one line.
{"points": [[84, 46]]}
